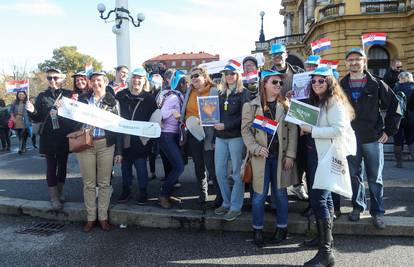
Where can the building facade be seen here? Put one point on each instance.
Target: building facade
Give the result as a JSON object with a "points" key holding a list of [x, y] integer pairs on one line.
{"points": [[184, 61], [344, 22]]}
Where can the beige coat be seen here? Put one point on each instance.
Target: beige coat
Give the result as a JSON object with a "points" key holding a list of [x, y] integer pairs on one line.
{"points": [[255, 139]]}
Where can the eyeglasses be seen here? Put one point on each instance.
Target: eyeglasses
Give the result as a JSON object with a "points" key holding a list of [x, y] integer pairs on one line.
{"points": [[49, 78], [320, 81], [195, 76], [229, 73], [276, 82]]}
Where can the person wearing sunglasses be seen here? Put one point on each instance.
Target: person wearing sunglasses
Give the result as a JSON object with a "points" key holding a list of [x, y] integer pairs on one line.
{"points": [[273, 154], [53, 142], [391, 75], [201, 151], [334, 122], [369, 97], [229, 143]]}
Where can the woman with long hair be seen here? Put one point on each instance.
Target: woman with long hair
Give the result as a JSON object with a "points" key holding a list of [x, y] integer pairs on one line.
{"points": [[272, 153], [334, 122], [21, 120], [229, 143]]}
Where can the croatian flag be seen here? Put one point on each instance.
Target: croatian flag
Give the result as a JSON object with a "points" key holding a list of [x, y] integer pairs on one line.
{"points": [[234, 64], [333, 64], [320, 45], [374, 38], [250, 77], [120, 87], [88, 69], [265, 124], [16, 86]]}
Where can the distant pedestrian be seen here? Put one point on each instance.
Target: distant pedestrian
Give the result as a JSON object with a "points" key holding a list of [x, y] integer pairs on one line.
{"points": [[4, 128], [21, 120], [120, 83], [368, 96]]}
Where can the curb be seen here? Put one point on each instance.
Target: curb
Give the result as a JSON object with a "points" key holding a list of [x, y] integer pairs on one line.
{"points": [[154, 217]]}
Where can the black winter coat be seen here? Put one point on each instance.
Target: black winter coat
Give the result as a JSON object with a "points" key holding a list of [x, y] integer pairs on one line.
{"points": [[368, 123], [51, 141], [128, 101]]}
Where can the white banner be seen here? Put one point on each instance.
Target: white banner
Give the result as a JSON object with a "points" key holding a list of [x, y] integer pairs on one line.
{"points": [[106, 120], [217, 66]]}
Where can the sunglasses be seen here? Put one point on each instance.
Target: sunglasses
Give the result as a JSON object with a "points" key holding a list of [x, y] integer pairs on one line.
{"points": [[195, 76], [49, 78], [320, 81], [277, 82], [229, 73]]}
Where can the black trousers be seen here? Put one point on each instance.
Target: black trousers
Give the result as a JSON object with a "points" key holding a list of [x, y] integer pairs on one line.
{"points": [[196, 150]]}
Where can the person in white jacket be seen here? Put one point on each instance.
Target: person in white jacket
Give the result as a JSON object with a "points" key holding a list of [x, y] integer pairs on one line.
{"points": [[334, 123]]}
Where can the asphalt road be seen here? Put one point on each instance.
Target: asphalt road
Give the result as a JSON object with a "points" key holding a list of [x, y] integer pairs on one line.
{"points": [[156, 247]]}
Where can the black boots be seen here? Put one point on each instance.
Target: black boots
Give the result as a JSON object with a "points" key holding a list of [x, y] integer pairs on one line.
{"points": [[279, 235], [325, 256], [258, 238], [125, 195]]}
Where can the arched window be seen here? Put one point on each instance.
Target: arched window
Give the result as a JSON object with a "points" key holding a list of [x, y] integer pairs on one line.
{"points": [[378, 60], [295, 61]]}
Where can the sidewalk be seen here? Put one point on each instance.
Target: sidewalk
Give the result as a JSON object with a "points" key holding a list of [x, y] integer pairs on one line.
{"points": [[23, 191]]}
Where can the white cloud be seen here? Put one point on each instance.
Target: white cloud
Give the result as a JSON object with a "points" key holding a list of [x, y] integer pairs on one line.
{"points": [[34, 8]]}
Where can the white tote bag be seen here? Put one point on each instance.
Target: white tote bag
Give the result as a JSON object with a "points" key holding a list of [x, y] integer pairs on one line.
{"points": [[332, 173]]}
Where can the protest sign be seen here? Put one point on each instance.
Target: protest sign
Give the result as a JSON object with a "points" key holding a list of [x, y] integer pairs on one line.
{"points": [[301, 113], [209, 110], [301, 85]]}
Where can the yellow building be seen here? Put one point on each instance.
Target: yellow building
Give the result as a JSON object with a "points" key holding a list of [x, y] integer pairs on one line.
{"points": [[344, 22]]}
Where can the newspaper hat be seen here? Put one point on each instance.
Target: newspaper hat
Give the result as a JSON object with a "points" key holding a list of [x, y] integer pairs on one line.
{"points": [[266, 73], [194, 127], [232, 65], [175, 78], [97, 72], [80, 73], [322, 71], [313, 59], [277, 48], [356, 51]]}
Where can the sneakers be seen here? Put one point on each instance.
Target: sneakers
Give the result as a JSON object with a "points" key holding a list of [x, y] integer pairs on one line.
{"points": [[221, 210], [300, 192], [177, 185], [355, 215], [379, 222], [231, 215]]}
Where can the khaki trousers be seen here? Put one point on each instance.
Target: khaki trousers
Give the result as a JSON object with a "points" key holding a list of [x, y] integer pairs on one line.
{"points": [[96, 166]]}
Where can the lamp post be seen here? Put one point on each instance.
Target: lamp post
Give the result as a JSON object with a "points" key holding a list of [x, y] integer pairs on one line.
{"points": [[262, 36], [121, 29]]}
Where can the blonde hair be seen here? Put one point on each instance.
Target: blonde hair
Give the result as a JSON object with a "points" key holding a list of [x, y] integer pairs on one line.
{"points": [[223, 86], [145, 87], [208, 82]]}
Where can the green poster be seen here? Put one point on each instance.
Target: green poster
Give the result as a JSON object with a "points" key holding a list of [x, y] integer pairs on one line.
{"points": [[302, 113]]}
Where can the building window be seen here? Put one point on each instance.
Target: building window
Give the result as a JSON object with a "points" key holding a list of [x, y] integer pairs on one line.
{"points": [[183, 63], [378, 60], [203, 61], [173, 64], [193, 62]]}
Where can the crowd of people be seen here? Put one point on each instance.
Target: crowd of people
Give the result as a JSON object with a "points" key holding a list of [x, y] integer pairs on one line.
{"points": [[360, 106]]}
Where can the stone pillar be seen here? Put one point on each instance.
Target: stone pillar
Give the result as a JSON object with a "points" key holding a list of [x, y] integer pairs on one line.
{"points": [[289, 23], [302, 20], [311, 9], [305, 10]]}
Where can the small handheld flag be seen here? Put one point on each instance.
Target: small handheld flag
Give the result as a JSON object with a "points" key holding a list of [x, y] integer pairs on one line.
{"points": [[374, 38], [333, 64], [265, 124], [88, 69], [320, 45], [250, 77], [16, 86]]}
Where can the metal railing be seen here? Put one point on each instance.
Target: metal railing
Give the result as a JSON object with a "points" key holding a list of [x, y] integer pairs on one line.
{"points": [[287, 39], [383, 6]]}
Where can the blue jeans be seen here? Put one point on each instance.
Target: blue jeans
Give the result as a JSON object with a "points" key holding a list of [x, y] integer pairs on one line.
{"points": [[141, 169], [232, 149], [169, 146], [373, 156], [258, 201], [320, 200]]}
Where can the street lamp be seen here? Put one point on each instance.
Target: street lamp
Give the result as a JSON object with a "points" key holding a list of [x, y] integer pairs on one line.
{"points": [[262, 37], [120, 29]]}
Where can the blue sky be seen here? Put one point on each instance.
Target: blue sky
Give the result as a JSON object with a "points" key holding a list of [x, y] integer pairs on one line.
{"points": [[31, 29]]}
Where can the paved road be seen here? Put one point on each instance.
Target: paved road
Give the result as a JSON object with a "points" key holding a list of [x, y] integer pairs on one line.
{"points": [[24, 177], [154, 247]]}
